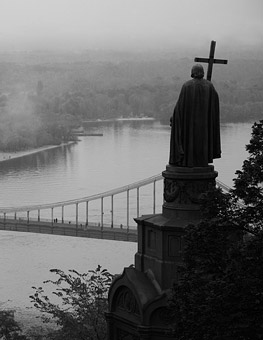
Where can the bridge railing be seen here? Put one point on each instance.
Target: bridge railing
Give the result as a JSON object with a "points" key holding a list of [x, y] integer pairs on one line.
{"points": [[105, 212]]}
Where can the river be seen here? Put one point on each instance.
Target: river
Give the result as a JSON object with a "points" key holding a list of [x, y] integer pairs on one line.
{"points": [[127, 152]]}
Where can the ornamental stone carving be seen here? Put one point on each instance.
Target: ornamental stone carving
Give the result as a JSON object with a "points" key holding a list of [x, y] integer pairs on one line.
{"points": [[172, 190], [126, 301], [185, 192]]}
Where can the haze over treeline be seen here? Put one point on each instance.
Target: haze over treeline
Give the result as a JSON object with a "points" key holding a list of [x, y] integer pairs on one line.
{"points": [[65, 61], [44, 95]]}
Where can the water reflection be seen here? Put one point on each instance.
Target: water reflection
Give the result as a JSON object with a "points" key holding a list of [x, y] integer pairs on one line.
{"points": [[36, 162]]}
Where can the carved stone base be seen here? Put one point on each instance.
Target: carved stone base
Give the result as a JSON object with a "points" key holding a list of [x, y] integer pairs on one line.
{"points": [[137, 298], [184, 188], [138, 308], [161, 237]]}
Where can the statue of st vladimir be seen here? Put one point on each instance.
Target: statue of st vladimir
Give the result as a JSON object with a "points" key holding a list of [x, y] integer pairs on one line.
{"points": [[195, 133]]}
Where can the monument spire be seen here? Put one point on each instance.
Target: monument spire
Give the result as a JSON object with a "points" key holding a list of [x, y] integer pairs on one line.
{"points": [[138, 298]]}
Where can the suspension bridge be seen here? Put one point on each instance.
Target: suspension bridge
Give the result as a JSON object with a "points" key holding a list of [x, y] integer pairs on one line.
{"points": [[107, 215]]}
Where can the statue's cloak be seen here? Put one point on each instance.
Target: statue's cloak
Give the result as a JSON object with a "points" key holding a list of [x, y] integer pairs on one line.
{"points": [[195, 134]]}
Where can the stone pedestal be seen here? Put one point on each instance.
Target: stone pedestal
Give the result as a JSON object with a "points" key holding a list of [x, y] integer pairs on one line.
{"points": [[137, 308], [138, 297], [183, 189], [160, 237]]}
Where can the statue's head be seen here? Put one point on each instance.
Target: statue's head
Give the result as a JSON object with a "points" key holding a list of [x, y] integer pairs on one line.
{"points": [[197, 71]]}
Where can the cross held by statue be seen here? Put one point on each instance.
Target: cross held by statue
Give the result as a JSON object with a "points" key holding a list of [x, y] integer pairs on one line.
{"points": [[211, 60]]}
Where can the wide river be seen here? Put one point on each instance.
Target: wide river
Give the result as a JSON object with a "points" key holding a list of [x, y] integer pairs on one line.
{"points": [[127, 152]]}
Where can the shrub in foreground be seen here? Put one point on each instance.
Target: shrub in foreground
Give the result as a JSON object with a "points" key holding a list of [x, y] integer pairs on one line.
{"points": [[80, 301]]}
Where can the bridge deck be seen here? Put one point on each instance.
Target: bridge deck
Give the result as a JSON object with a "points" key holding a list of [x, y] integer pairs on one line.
{"points": [[108, 233]]}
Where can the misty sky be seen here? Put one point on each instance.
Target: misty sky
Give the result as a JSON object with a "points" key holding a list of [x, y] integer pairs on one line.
{"points": [[84, 24]]}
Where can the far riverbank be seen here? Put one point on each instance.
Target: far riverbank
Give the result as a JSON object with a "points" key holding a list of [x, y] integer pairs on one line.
{"points": [[7, 156]]}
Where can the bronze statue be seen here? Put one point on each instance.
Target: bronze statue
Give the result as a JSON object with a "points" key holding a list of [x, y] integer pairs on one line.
{"points": [[195, 133]]}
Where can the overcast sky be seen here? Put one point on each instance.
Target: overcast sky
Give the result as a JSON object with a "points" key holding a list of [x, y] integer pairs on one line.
{"points": [[67, 24]]}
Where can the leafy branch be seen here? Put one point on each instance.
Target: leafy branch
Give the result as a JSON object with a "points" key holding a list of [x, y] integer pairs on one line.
{"points": [[81, 300]]}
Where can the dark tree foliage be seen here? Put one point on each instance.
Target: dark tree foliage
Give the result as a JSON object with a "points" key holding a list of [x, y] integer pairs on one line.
{"points": [[249, 182], [220, 292], [217, 205], [9, 328]]}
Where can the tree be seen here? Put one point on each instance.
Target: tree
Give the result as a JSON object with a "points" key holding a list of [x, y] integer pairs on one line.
{"points": [[248, 184], [219, 294], [81, 303], [9, 328]]}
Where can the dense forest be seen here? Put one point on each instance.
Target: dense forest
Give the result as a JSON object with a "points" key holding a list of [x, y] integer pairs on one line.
{"points": [[43, 96]]}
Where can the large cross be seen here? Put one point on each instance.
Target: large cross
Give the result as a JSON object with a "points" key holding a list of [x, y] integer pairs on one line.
{"points": [[211, 60]]}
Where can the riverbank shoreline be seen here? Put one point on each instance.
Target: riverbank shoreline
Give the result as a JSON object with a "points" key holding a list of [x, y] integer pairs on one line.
{"points": [[8, 156]]}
